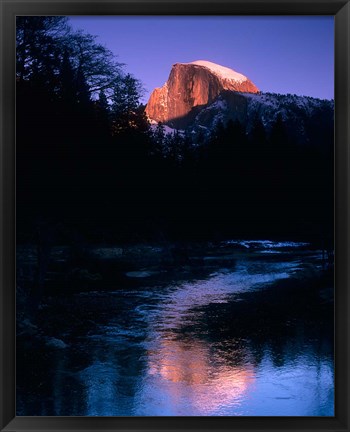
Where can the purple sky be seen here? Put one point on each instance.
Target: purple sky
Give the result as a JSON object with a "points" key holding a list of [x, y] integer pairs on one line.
{"points": [[279, 54]]}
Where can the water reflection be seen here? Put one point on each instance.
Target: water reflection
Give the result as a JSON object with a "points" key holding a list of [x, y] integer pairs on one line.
{"points": [[187, 371], [179, 303], [222, 345], [100, 388], [191, 376]]}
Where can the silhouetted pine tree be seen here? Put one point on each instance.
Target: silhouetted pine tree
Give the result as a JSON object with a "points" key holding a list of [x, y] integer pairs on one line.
{"points": [[67, 88], [102, 117], [258, 138], [125, 110], [279, 137]]}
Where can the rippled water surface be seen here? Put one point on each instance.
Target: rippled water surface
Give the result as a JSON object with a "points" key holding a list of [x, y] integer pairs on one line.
{"points": [[237, 341]]}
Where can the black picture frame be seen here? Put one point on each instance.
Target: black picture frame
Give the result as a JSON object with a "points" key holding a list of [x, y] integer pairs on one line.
{"points": [[340, 9]]}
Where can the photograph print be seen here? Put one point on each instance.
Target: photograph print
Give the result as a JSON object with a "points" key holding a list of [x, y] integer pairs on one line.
{"points": [[174, 216]]}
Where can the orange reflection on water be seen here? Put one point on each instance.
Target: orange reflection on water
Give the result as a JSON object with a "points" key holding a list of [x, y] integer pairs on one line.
{"points": [[191, 371]]}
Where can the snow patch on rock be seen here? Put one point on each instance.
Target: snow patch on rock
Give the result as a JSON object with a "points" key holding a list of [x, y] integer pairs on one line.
{"points": [[221, 71]]}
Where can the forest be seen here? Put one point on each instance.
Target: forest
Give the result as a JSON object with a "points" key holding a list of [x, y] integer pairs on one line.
{"points": [[90, 165]]}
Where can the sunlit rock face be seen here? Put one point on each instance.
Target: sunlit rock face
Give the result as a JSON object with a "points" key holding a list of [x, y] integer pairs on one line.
{"points": [[193, 84]]}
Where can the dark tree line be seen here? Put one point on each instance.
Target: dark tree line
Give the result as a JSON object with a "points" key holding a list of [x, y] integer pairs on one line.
{"points": [[73, 81], [87, 157], [255, 183], [79, 120]]}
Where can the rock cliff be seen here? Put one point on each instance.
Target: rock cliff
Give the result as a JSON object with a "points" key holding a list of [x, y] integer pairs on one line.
{"points": [[193, 85]]}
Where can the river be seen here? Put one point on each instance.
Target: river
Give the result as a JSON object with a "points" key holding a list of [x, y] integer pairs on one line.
{"points": [[250, 336]]}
